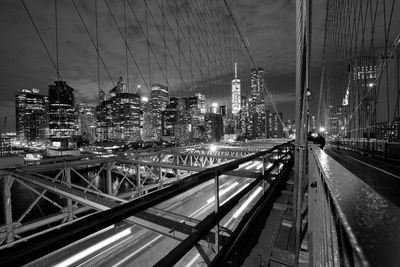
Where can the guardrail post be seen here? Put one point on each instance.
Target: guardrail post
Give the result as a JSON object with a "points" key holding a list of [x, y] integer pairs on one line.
{"points": [[69, 201], [217, 211], [7, 183], [386, 148], [138, 180], [109, 179]]}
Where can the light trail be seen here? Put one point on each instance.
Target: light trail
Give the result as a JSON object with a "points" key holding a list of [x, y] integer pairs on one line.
{"points": [[247, 202], [223, 192], [251, 166], [244, 164], [192, 261], [259, 166], [159, 236], [94, 248]]}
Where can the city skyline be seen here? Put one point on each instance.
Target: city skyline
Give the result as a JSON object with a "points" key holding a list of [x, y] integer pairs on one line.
{"points": [[37, 71]]}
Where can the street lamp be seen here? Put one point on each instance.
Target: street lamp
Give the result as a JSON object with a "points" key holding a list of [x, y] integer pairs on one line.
{"points": [[308, 92], [308, 96]]}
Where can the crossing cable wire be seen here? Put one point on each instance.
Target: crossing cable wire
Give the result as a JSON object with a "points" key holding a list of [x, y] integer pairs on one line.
{"points": [[145, 35], [93, 42], [164, 39], [57, 64], [129, 50], [251, 57], [211, 33], [147, 41], [126, 48], [168, 49], [373, 15], [97, 47], [190, 33], [41, 39]]}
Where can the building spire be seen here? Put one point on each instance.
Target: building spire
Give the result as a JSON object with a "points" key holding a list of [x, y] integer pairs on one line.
{"points": [[235, 70]]}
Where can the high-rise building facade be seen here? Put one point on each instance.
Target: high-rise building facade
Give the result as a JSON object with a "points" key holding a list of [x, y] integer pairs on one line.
{"points": [[236, 94], [362, 94], [256, 101], [336, 121], [257, 114], [87, 121], [274, 125], [214, 127], [62, 113], [158, 101], [202, 103], [31, 109], [119, 117]]}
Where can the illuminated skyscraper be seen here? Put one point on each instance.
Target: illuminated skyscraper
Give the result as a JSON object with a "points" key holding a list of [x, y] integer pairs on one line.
{"points": [[235, 93], [158, 102], [62, 113], [257, 115], [118, 118], [31, 110], [256, 101]]}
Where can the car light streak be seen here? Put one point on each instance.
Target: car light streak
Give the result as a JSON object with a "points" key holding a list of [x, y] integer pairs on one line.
{"points": [[244, 164], [251, 166], [259, 166], [223, 192], [247, 202], [71, 260]]}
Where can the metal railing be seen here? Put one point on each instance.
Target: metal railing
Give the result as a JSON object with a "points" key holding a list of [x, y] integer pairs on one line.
{"points": [[36, 247], [349, 224], [374, 148]]}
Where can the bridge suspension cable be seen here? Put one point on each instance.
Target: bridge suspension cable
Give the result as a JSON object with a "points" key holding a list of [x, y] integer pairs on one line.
{"points": [[359, 83]]}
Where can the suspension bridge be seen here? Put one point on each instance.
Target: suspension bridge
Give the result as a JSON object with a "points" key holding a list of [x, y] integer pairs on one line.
{"points": [[256, 202]]}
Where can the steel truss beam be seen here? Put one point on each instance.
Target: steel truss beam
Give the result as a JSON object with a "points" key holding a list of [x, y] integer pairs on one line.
{"points": [[39, 246]]}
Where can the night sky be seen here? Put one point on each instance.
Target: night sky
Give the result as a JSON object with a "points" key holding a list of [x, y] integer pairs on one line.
{"points": [[268, 27]]}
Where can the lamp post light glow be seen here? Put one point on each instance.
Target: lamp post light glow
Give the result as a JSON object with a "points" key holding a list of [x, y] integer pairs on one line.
{"points": [[321, 129], [212, 148]]}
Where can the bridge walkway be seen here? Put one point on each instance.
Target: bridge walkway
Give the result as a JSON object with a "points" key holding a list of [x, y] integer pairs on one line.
{"points": [[383, 176]]}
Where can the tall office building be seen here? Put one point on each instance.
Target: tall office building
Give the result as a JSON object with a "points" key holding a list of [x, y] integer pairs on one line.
{"points": [[257, 114], [336, 122], [256, 101], [202, 103], [31, 111], [235, 93], [362, 94], [214, 127], [274, 125], [62, 113], [87, 121], [119, 117], [158, 102]]}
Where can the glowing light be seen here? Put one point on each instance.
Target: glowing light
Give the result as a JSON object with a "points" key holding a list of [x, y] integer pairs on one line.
{"points": [[237, 192], [245, 164], [247, 202], [86, 252], [251, 166], [314, 134], [214, 105], [212, 148], [145, 99], [259, 166], [322, 129], [223, 192], [370, 85]]}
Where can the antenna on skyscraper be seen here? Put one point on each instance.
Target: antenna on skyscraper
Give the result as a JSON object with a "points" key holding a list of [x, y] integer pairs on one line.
{"points": [[235, 70]]}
